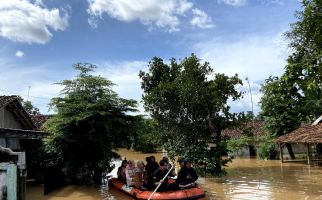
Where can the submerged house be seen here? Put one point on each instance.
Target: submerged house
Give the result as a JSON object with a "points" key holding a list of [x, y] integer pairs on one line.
{"points": [[16, 125], [18, 130], [308, 138], [256, 128]]}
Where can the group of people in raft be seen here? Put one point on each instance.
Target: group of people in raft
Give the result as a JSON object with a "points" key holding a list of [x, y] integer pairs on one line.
{"points": [[149, 176]]}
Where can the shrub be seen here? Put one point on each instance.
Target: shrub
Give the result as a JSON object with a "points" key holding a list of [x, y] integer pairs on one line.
{"points": [[267, 148]]}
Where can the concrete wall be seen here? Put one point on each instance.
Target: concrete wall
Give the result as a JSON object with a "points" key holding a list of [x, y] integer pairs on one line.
{"points": [[7, 120], [298, 149]]}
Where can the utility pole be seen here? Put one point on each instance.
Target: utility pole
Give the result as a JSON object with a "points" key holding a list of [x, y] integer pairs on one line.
{"points": [[28, 92], [251, 99], [253, 123]]}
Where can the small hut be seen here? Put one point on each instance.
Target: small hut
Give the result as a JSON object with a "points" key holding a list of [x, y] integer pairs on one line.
{"points": [[306, 134]]}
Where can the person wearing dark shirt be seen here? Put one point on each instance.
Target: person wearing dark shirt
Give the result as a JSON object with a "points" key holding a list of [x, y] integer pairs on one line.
{"points": [[150, 168], [159, 174], [173, 172], [187, 175], [181, 162], [121, 172]]}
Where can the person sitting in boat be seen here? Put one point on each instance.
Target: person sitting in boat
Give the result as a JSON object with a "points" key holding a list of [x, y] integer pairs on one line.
{"points": [[150, 168], [159, 174], [130, 173], [187, 175], [121, 176], [181, 162], [172, 173], [140, 176]]}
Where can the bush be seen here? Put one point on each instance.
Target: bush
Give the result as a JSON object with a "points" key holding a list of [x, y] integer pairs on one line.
{"points": [[268, 150], [235, 145]]}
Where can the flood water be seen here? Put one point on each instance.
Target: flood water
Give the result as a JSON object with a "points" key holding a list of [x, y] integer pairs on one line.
{"points": [[246, 179]]}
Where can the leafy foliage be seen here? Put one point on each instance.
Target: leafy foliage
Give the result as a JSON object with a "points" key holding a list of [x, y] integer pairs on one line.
{"points": [[145, 135], [304, 68], [267, 148], [296, 96], [235, 145], [281, 106], [91, 120], [31, 109], [190, 110]]}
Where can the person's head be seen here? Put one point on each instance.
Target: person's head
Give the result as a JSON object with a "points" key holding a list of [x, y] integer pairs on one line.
{"points": [[130, 164], [163, 165], [124, 163], [181, 162], [148, 159], [152, 158], [165, 159], [187, 163], [140, 164]]}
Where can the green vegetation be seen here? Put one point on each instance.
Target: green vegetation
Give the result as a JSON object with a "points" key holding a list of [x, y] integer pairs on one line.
{"points": [[235, 145], [91, 121], [296, 96], [189, 103], [267, 148], [145, 135]]}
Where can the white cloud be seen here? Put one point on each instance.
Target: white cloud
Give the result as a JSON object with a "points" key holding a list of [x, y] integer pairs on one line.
{"points": [[233, 2], [19, 54], [24, 21], [201, 19], [152, 13], [255, 57]]}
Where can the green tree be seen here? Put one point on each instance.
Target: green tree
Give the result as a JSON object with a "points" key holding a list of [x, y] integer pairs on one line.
{"points": [[189, 103], [296, 96], [281, 106], [31, 109], [91, 121], [145, 135], [304, 68]]}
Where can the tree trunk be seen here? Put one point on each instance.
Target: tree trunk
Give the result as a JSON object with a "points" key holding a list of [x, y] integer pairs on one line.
{"points": [[290, 150], [218, 153]]}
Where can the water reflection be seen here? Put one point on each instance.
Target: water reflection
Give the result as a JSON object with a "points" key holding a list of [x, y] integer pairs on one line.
{"points": [[247, 179]]}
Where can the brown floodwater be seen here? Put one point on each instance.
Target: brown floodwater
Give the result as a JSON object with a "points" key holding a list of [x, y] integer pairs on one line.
{"points": [[247, 179]]}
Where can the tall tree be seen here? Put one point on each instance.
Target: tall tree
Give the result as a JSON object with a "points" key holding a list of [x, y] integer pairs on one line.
{"points": [[281, 106], [190, 104], [304, 68], [297, 96], [91, 120]]}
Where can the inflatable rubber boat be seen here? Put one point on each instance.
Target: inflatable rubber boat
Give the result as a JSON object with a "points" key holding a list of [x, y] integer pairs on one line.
{"points": [[195, 193]]}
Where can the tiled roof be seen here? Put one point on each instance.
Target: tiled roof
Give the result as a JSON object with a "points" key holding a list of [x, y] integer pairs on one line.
{"points": [[235, 133], [4, 100], [307, 133], [39, 120]]}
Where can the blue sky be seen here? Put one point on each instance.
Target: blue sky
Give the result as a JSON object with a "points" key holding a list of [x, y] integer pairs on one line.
{"points": [[41, 39]]}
